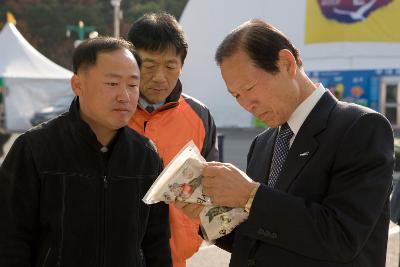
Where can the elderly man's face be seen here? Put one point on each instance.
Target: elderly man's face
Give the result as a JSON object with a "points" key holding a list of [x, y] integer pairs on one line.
{"points": [[271, 98], [160, 73]]}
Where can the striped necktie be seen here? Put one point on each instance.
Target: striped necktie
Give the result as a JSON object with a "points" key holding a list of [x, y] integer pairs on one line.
{"points": [[281, 150]]}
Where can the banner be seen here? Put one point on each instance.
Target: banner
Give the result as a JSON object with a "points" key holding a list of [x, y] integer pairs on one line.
{"points": [[352, 21], [362, 87]]}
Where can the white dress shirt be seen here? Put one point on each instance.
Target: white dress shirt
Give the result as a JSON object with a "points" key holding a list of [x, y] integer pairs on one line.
{"points": [[300, 114], [144, 103]]}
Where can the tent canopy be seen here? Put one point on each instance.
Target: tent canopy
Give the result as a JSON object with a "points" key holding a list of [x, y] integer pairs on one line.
{"points": [[31, 80], [21, 60]]}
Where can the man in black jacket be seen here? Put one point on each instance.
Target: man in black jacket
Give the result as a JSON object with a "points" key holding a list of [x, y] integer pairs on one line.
{"points": [[71, 188]]}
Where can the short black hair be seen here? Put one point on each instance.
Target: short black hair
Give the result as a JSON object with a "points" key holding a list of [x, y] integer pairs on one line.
{"points": [[85, 54], [157, 32], [260, 41]]}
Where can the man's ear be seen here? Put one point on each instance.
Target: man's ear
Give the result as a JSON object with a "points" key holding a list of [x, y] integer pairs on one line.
{"points": [[180, 71], [76, 84], [287, 62]]}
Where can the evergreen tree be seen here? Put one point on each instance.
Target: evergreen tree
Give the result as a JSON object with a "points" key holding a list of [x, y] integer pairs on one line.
{"points": [[44, 22]]}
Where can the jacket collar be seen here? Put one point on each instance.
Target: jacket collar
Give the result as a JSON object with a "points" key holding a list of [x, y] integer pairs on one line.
{"points": [[171, 101], [176, 93], [82, 131]]}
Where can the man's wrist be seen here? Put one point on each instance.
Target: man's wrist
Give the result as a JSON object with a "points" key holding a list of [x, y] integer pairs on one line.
{"points": [[249, 202]]}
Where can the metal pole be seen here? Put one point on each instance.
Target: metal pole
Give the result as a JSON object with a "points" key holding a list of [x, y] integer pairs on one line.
{"points": [[116, 21], [81, 30], [116, 5]]}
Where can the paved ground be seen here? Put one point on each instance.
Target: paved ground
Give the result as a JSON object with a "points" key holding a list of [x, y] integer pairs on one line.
{"points": [[236, 144], [392, 256], [212, 256]]}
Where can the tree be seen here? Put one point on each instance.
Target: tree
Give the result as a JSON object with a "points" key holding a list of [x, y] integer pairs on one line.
{"points": [[43, 22]]}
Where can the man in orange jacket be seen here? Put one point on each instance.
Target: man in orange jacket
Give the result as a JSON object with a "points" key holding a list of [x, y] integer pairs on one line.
{"points": [[167, 116]]}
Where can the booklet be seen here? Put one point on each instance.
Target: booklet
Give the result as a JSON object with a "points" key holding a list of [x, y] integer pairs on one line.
{"points": [[181, 180]]}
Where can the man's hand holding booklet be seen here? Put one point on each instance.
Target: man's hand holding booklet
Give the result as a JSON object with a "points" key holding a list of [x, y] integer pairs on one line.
{"points": [[181, 181]]}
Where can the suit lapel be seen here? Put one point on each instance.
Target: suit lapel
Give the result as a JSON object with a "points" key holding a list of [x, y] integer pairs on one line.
{"points": [[306, 143], [263, 153], [264, 172]]}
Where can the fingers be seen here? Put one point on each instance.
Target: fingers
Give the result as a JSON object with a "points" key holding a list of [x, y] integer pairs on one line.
{"points": [[180, 204], [194, 208], [207, 181], [213, 174], [225, 171], [213, 163], [191, 210], [214, 169], [217, 164]]}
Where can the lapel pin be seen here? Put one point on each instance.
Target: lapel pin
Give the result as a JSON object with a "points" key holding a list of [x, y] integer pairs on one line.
{"points": [[304, 154]]}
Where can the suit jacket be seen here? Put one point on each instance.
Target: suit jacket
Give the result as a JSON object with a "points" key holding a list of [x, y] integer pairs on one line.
{"points": [[330, 204]]}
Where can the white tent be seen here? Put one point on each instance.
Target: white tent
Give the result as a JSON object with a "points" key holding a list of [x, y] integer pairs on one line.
{"points": [[207, 22], [32, 81]]}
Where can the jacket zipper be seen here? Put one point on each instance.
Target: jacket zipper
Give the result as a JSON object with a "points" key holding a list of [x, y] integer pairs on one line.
{"points": [[62, 222], [105, 186], [45, 258], [105, 182]]}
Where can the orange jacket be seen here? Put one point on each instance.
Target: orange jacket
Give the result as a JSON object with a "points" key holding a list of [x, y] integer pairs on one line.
{"points": [[170, 127]]}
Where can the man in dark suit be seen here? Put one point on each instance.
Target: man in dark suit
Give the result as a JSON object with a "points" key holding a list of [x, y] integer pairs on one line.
{"points": [[318, 182]]}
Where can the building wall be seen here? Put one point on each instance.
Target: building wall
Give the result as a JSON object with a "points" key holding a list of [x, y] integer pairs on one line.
{"points": [[207, 22]]}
